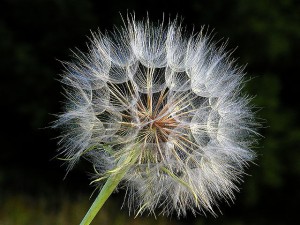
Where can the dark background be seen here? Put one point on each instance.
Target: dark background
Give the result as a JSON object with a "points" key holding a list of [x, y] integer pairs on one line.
{"points": [[35, 33]]}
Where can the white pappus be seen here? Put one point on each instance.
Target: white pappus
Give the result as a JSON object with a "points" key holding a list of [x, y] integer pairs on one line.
{"points": [[165, 106]]}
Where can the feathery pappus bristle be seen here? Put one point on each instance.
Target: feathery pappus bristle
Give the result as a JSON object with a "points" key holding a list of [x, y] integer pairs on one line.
{"points": [[170, 100]]}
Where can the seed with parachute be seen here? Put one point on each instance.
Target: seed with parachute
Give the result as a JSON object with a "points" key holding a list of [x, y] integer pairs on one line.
{"points": [[164, 107]]}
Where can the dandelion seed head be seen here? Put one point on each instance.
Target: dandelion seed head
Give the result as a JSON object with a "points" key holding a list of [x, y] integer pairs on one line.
{"points": [[172, 100]]}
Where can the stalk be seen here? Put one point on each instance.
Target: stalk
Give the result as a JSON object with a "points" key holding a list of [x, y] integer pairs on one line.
{"points": [[108, 188], [110, 185]]}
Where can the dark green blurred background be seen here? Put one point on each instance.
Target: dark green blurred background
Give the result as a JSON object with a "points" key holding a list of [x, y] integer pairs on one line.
{"points": [[35, 33]]}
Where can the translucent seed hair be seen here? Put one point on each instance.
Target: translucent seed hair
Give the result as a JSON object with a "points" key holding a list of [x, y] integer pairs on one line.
{"points": [[164, 106]]}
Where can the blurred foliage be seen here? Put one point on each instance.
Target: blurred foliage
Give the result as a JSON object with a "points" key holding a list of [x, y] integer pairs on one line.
{"points": [[23, 210], [34, 34]]}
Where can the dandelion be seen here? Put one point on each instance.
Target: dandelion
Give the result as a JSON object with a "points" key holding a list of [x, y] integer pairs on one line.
{"points": [[159, 113]]}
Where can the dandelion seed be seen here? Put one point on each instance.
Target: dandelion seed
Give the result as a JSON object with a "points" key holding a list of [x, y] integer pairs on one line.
{"points": [[162, 113]]}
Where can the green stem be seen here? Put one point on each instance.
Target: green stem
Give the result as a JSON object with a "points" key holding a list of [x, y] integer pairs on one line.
{"points": [[108, 188]]}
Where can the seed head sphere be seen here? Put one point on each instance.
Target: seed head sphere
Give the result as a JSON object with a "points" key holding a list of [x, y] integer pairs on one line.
{"points": [[171, 101]]}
